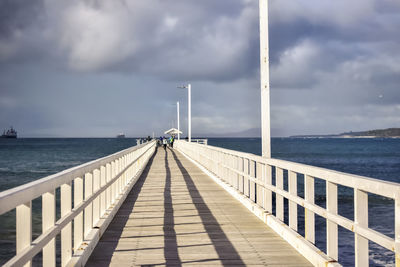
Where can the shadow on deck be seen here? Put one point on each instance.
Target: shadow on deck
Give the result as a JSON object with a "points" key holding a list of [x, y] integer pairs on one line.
{"points": [[176, 215]]}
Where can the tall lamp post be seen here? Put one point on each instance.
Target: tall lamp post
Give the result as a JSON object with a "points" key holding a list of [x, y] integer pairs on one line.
{"points": [[189, 87], [177, 111], [264, 77]]}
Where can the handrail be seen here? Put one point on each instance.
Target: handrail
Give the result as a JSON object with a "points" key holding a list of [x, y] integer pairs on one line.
{"points": [[98, 187], [251, 176], [372, 185], [202, 141], [13, 197]]}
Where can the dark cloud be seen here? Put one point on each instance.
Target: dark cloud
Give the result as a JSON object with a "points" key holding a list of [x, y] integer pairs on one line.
{"points": [[96, 67], [17, 15]]}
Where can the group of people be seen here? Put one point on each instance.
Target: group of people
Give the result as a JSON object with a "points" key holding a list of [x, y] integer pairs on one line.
{"points": [[165, 141]]}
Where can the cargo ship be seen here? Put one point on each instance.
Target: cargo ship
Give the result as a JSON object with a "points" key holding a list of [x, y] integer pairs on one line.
{"points": [[121, 135], [10, 133]]}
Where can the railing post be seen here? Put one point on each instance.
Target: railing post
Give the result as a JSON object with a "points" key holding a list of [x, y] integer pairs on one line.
{"points": [[259, 188], [224, 168], [267, 173], [246, 186], [331, 227], [120, 179], [129, 172], [66, 232], [96, 201], [252, 173], [48, 220], [214, 162], [88, 215], [116, 170], [126, 171], [24, 227], [241, 177], [229, 163], [108, 190], [117, 181], [361, 219], [293, 205], [103, 196], [397, 227], [220, 155], [309, 216], [234, 174], [113, 171], [279, 198], [78, 220]]}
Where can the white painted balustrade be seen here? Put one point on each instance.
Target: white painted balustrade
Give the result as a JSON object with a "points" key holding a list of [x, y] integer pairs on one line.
{"points": [[249, 178], [200, 141], [90, 196]]}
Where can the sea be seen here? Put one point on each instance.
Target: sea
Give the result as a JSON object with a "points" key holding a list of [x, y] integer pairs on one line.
{"points": [[27, 159]]}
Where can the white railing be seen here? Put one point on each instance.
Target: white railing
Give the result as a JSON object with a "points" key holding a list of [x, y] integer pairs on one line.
{"points": [[95, 190], [200, 141], [250, 178]]}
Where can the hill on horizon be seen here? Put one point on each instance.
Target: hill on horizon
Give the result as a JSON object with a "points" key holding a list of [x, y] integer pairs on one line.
{"points": [[389, 132]]}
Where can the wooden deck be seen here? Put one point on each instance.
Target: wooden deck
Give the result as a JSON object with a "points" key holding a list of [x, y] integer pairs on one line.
{"points": [[176, 215]]}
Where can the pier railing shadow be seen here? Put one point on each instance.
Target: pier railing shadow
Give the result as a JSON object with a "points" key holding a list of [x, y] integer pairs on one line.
{"points": [[121, 219], [170, 242], [227, 253]]}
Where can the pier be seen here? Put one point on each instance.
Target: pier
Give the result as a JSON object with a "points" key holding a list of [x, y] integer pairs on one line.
{"points": [[177, 215], [197, 204], [194, 205]]}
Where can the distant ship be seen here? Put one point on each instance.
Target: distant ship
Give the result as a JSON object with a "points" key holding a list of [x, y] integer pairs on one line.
{"points": [[121, 135], [10, 133]]}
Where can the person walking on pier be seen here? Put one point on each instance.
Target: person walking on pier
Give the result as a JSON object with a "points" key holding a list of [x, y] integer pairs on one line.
{"points": [[171, 141], [159, 141], [164, 142]]}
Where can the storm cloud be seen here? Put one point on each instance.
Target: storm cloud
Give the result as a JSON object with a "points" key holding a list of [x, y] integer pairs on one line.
{"points": [[97, 67]]}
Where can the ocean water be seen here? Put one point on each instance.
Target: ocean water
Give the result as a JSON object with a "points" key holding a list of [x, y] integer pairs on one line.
{"points": [[25, 160]]}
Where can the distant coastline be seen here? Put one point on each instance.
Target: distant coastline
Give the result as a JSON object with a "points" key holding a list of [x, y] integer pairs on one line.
{"points": [[379, 133]]}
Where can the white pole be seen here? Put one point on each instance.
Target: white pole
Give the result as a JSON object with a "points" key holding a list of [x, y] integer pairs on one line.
{"points": [[189, 113], [177, 110], [264, 76]]}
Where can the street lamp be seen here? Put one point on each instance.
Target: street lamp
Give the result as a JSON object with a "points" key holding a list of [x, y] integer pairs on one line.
{"points": [[177, 112], [265, 84], [189, 87], [177, 119]]}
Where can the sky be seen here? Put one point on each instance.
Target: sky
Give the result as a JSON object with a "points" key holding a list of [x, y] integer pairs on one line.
{"points": [[95, 68]]}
